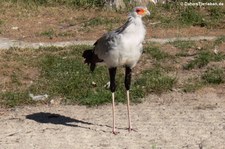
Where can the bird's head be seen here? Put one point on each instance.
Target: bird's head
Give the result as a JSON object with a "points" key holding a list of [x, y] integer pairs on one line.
{"points": [[140, 11]]}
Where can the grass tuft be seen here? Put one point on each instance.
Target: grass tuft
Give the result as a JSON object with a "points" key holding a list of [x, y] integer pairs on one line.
{"points": [[50, 33], [192, 17], [219, 40], [192, 85], [183, 45], [203, 58], [214, 76]]}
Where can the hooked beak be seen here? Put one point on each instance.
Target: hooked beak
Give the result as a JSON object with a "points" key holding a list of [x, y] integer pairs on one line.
{"points": [[147, 12]]}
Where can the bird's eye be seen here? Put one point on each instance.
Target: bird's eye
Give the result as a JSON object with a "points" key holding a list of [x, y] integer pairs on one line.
{"points": [[139, 11]]}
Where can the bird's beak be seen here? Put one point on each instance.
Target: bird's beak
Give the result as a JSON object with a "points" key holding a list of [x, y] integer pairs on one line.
{"points": [[147, 12], [153, 1]]}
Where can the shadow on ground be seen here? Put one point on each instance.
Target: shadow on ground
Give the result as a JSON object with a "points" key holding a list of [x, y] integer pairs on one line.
{"points": [[57, 119]]}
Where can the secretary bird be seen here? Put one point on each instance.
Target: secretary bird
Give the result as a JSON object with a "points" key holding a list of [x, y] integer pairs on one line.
{"points": [[121, 47]]}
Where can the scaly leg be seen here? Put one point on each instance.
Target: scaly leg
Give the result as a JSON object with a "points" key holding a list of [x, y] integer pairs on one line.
{"points": [[112, 74], [128, 111], [113, 112], [127, 85]]}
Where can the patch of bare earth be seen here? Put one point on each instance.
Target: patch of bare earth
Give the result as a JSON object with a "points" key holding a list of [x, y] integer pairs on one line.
{"points": [[172, 120]]}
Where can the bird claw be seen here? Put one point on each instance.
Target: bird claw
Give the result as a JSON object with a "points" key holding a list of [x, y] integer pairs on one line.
{"points": [[115, 132], [131, 129]]}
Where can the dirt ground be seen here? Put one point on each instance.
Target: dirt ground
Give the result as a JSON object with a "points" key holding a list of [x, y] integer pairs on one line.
{"points": [[170, 121]]}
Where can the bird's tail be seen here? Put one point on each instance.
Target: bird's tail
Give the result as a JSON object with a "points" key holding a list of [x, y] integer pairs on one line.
{"points": [[91, 59]]}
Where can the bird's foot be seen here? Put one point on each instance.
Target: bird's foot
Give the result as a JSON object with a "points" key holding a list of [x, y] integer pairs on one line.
{"points": [[115, 132], [132, 129]]}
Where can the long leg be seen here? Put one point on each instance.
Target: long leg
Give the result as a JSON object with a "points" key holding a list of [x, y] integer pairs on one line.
{"points": [[112, 74], [127, 82]]}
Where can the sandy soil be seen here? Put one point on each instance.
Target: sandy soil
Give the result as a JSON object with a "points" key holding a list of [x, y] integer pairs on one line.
{"points": [[170, 121]]}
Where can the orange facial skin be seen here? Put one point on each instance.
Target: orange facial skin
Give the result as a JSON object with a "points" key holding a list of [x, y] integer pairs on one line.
{"points": [[140, 11]]}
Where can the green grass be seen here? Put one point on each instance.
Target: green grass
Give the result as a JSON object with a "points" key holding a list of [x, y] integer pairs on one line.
{"points": [[15, 79], [203, 58], [50, 33], [183, 45], [183, 53], [192, 85], [156, 53], [1, 22], [214, 76], [63, 74], [219, 40], [191, 17], [216, 13], [70, 78], [173, 15], [12, 99], [155, 80]]}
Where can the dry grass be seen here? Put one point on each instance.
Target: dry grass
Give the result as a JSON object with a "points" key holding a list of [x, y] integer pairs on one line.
{"points": [[60, 23]]}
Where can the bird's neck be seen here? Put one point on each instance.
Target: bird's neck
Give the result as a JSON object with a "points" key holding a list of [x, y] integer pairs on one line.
{"points": [[136, 19], [136, 25], [135, 31]]}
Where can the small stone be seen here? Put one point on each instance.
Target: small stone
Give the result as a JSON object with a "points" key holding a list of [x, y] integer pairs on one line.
{"points": [[15, 28]]}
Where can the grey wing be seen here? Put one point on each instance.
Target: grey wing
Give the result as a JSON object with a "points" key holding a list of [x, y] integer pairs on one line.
{"points": [[109, 40], [105, 44], [123, 27]]}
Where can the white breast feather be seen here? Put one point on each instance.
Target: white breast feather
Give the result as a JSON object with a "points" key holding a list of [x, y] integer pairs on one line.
{"points": [[128, 47]]}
